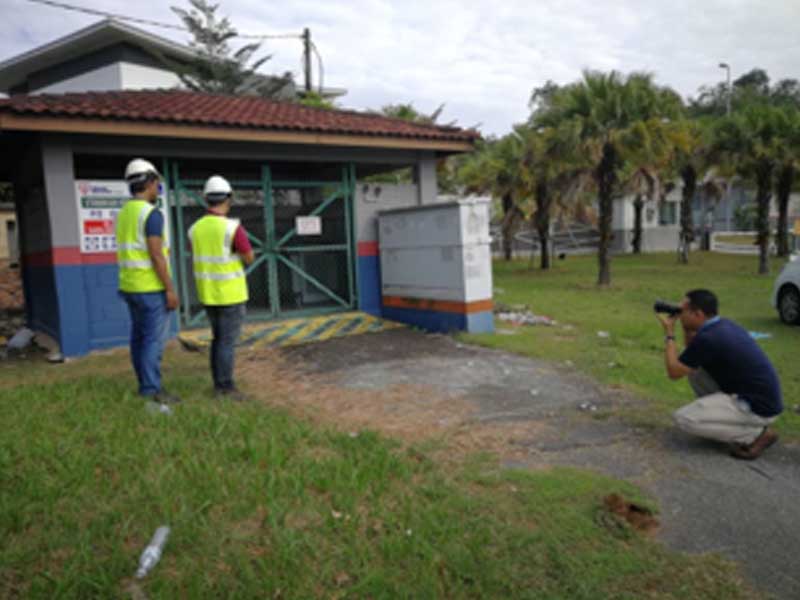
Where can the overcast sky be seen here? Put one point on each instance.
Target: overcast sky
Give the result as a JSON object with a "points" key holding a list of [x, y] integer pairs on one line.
{"points": [[481, 58]]}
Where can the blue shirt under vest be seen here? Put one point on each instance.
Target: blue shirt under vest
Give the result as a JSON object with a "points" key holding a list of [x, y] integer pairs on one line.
{"points": [[733, 359]]}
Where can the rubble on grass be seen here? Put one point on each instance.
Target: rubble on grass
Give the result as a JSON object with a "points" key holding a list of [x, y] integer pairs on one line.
{"points": [[521, 314]]}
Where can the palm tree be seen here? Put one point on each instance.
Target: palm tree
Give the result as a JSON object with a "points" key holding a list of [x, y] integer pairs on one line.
{"points": [[750, 142], [495, 168], [789, 151], [645, 185], [601, 112], [690, 159], [554, 175], [648, 166]]}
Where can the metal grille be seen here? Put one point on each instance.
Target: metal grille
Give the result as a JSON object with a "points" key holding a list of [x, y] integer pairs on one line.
{"points": [[312, 269], [294, 273]]}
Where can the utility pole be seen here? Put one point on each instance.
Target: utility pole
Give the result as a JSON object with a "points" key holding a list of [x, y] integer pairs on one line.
{"points": [[727, 68], [307, 57]]}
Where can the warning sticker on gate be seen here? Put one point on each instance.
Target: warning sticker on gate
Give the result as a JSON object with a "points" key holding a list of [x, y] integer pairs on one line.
{"points": [[308, 225], [99, 202]]}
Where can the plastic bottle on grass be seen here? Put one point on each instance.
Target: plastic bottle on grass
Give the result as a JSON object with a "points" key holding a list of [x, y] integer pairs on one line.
{"points": [[157, 408], [152, 554]]}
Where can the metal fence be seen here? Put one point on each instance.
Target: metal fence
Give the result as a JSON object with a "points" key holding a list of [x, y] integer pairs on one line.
{"points": [[302, 234]]}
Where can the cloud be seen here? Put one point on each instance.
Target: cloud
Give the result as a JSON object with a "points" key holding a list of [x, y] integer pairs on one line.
{"points": [[481, 58]]}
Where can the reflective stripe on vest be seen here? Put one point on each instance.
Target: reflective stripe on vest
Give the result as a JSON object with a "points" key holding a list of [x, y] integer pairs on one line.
{"points": [[136, 272], [218, 271]]}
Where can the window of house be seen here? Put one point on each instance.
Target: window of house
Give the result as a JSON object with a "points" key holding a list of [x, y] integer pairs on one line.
{"points": [[668, 213]]}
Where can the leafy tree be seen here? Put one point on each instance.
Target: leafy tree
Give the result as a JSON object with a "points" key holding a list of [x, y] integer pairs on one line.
{"points": [[750, 141], [316, 100], [745, 217], [756, 80], [444, 170], [648, 165], [219, 69], [496, 169], [788, 158], [554, 174], [690, 159], [604, 113], [408, 112], [752, 87], [542, 98], [786, 93]]}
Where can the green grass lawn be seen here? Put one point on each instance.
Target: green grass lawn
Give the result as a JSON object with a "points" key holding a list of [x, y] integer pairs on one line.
{"points": [[264, 505], [632, 356], [732, 238]]}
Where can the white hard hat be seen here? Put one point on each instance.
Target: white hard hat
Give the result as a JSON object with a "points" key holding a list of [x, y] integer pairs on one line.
{"points": [[217, 188], [138, 170]]}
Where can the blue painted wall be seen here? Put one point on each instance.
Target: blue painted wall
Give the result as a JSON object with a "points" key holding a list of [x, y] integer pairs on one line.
{"points": [[442, 322], [79, 306], [369, 284], [41, 302]]}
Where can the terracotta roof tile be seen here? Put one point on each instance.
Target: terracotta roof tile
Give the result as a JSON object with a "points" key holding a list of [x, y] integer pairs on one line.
{"points": [[182, 107]]}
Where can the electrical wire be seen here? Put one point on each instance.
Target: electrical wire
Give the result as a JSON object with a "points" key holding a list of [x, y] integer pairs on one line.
{"points": [[321, 68], [152, 23], [119, 17]]}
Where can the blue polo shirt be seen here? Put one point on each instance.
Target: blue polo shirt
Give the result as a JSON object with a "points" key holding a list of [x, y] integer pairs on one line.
{"points": [[739, 366], [154, 226]]}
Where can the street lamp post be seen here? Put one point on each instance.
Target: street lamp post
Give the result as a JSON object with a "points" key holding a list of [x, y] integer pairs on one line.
{"points": [[727, 68]]}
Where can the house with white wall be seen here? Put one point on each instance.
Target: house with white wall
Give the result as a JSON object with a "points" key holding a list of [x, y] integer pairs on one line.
{"points": [[114, 56]]}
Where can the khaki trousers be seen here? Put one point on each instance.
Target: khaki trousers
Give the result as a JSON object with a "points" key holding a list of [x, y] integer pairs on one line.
{"points": [[717, 415]]}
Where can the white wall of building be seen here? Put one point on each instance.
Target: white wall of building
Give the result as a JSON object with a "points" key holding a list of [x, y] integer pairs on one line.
{"points": [[625, 215], [100, 80], [139, 77], [117, 76]]}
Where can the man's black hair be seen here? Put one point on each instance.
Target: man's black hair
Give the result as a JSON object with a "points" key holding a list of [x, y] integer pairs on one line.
{"points": [[216, 199], [705, 301], [138, 185]]}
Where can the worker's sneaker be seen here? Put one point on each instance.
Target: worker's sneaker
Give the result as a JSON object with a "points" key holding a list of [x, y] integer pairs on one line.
{"points": [[755, 449], [233, 394], [164, 397]]}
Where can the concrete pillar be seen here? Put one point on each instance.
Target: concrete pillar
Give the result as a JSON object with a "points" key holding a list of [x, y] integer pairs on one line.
{"points": [[59, 185], [425, 176], [70, 289]]}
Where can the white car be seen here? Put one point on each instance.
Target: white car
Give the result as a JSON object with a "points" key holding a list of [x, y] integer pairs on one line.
{"points": [[786, 293]]}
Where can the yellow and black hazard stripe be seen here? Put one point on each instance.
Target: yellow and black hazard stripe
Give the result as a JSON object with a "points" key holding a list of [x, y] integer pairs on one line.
{"points": [[296, 331]]}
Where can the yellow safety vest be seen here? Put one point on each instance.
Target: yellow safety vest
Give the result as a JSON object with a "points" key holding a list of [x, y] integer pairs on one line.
{"points": [[218, 271], [136, 272]]}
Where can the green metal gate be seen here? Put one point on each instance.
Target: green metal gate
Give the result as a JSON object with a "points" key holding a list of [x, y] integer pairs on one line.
{"points": [[295, 273]]}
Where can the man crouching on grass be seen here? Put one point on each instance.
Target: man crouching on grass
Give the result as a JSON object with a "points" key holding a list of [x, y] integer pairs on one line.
{"points": [[737, 388]]}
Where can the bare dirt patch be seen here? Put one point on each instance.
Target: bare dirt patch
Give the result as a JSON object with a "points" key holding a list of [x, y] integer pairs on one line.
{"points": [[637, 516], [408, 412]]}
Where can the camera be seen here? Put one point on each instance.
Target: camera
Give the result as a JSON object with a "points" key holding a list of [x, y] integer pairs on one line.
{"points": [[667, 308]]}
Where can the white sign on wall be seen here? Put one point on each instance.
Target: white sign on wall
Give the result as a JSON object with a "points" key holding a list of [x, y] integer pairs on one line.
{"points": [[308, 225], [99, 202]]}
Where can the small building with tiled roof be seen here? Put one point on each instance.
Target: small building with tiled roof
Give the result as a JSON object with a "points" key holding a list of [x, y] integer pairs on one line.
{"points": [[307, 181]]}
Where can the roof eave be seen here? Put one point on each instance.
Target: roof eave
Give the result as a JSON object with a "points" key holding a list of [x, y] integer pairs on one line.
{"points": [[53, 124]]}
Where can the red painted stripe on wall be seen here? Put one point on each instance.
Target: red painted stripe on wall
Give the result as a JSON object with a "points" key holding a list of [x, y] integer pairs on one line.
{"points": [[368, 249], [463, 308], [64, 256]]}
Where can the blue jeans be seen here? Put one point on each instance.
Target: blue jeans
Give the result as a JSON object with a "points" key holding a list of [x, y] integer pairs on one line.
{"points": [[149, 331], [226, 324]]}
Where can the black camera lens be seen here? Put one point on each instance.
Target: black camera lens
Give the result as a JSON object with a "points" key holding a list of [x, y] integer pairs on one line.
{"points": [[667, 308]]}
